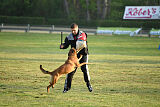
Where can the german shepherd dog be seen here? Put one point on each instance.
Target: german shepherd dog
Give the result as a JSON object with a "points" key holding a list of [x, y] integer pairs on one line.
{"points": [[70, 64]]}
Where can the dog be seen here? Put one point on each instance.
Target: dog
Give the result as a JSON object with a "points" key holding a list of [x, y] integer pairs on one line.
{"points": [[70, 64]]}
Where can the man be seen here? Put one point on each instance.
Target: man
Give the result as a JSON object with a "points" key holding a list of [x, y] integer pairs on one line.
{"points": [[72, 39]]}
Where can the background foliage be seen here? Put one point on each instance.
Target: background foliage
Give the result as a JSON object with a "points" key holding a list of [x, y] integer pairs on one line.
{"points": [[84, 12]]}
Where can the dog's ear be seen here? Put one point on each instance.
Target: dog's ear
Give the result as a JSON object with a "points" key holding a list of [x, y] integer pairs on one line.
{"points": [[72, 51], [73, 48]]}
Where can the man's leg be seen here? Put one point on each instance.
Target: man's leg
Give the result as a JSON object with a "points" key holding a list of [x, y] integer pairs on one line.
{"points": [[68, 81], [85, 71]]}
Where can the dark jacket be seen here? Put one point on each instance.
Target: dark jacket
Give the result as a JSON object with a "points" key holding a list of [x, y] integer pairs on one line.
{"points": [[71, 40]]}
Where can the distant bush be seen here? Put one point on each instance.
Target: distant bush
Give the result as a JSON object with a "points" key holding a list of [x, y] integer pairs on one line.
{"points": [[130, 23], [22, 20], [83, 23]]}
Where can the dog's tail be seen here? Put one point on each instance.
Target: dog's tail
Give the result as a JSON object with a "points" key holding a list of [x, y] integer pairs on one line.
{"points": [[44, 71]]}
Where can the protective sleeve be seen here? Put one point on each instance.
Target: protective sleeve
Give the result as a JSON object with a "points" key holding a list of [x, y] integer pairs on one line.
{"points": [[81, 42]]}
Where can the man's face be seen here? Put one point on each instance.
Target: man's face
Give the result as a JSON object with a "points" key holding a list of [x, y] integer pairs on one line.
{"points": [[74, 30]]}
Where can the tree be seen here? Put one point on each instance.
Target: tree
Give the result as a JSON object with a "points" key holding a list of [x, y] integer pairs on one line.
{"points": [[87, 10], [66, 7], [103, 8], [98, 8], [108, 8]]}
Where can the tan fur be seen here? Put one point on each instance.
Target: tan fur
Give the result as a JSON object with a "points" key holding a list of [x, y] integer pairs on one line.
{"points": [[70, 64]]}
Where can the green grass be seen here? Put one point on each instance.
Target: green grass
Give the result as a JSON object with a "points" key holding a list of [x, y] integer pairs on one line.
{"points": [[155, 29], [125, 73], [117, 28]]}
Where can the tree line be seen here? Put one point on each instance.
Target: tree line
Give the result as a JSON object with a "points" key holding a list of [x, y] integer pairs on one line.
{"points": [[63, 12], [70, 9]]}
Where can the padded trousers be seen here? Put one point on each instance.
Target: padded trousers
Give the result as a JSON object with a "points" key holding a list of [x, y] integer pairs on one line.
{"points": [[84, 69]]}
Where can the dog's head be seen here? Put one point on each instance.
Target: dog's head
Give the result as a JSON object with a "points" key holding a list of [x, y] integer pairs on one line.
{"points": [[72, 52]]}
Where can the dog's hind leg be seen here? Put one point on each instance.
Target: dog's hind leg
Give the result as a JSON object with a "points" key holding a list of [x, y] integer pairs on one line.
{"points": [[55, 80], [51, 83], [48, 87]]}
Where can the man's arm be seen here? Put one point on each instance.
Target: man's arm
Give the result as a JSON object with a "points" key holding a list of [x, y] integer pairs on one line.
{"points": [[65, 45]]}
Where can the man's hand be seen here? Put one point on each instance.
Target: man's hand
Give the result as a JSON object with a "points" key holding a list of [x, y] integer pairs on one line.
{"points": [[61, 46]]}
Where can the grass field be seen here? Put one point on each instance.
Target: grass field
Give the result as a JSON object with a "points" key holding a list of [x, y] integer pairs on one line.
{"points": [[117, 28], [125, 73]]}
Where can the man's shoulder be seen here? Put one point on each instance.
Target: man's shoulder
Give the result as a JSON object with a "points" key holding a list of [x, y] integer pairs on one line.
{"points": [[70, 37], [82, 32]]}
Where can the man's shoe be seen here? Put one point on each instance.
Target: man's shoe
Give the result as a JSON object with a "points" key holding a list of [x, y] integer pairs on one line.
{"points": [[65, 90], [89, 87]]}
